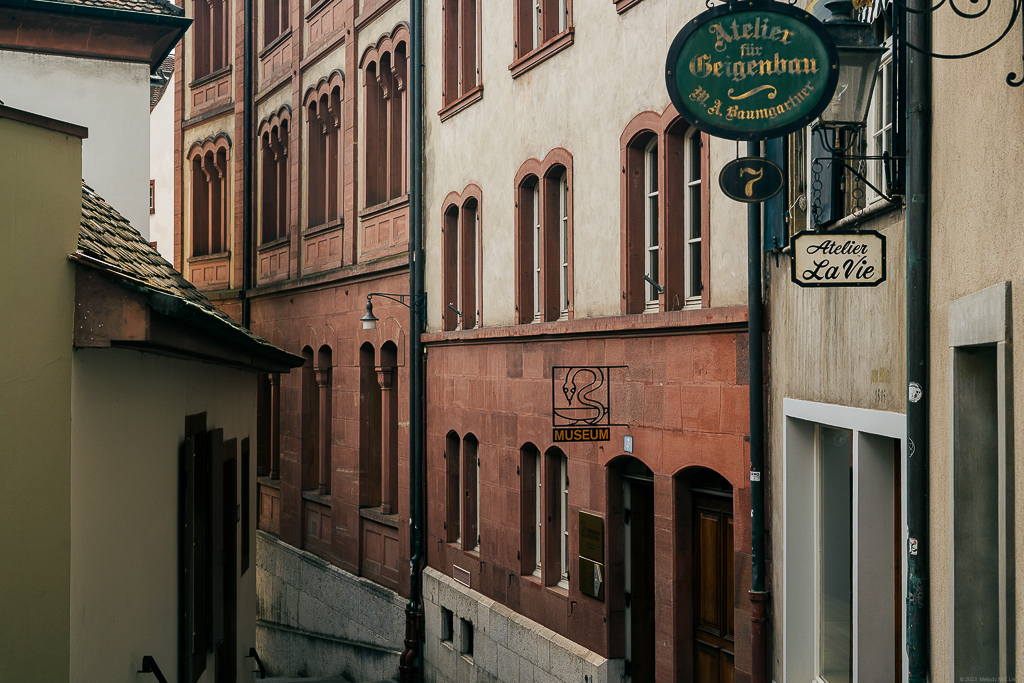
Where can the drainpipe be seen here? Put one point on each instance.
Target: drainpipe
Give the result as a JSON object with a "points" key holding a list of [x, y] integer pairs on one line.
{"points": [[247, 163], [409, 669], [755, 328], [918, 321]]}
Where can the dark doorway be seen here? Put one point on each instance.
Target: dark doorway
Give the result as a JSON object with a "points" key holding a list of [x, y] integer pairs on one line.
{"points": [[713, 579], [638, 517]]}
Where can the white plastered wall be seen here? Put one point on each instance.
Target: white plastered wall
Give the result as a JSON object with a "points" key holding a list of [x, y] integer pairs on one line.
{"points": [[111, 99], [124, 505], [161, 172], [580, 99]]}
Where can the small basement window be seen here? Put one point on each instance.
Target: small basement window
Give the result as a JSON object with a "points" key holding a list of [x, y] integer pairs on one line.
{"points": [[447, 628], [466, 646]]}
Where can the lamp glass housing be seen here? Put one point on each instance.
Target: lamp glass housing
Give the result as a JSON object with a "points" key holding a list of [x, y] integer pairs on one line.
{"points": [[859, 57], [858, 70], [369, 320]]}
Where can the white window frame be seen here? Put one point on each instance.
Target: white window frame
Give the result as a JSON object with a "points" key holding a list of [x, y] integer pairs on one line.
{"points": [[563, 15], [799, 563], [692, 223], [879, 133], [652, 247], [563, 540], [537, 314], [458, 265], [563, 246], [538, 513], [477, 275], [537, 23]]}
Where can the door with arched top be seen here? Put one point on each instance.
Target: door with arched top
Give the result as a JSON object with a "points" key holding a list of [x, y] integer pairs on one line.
{"points": [[713, 579]]}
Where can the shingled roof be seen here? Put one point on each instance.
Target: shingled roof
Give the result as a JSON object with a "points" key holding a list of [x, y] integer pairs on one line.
{"points": [[107, 242], [141, 6], [159, 79]]}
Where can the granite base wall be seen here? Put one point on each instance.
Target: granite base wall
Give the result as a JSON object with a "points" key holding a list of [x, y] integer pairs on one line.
{"points": [[314, 619], [506, 646]]}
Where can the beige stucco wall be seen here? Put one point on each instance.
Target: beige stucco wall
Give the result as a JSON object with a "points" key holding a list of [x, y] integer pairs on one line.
{"points": [[977, 241], [161, 172], [580, 99], [40, 209], [129, 412]]}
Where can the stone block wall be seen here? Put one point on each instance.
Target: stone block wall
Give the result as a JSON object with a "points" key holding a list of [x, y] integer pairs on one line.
{"points": [[505, 646], [314, 619]]}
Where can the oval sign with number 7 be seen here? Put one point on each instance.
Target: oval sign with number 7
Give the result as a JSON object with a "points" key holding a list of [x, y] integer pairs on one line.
{"points": [[749, 179]]}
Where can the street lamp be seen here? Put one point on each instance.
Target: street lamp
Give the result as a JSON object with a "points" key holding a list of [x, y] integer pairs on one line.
{"points": [[859, 57], [419, 303]]}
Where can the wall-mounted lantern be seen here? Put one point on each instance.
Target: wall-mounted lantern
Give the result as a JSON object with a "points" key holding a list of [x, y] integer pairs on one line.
{"points": [[859, 58]]}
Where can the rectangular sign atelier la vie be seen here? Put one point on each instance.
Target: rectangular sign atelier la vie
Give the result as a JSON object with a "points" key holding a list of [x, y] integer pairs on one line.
{"points": [[838, 259]]}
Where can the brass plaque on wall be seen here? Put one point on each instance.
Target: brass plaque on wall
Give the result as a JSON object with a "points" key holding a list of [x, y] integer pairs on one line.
{"points": [[591, 537], [591, 578]]}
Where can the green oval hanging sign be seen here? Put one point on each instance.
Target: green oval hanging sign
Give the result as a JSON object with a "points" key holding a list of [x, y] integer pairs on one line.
{"points": [[751, 71]]}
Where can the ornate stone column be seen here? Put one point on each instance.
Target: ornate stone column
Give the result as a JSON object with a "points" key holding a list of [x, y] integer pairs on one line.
{"points": [[275, 425], [387, 505], [323, 381]]}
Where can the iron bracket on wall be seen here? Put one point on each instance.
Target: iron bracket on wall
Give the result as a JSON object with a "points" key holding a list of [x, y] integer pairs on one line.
{"points": [[259, 663], [149, 666]]}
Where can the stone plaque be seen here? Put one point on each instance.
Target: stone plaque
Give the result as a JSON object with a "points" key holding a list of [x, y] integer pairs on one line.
{"points": [[591, 537]]}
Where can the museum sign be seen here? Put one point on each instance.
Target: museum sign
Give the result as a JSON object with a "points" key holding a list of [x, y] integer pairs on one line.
{"points": [[751, 71]]}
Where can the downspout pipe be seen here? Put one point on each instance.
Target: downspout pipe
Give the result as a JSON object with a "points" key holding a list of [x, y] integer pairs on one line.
{"points": [[410, 664], [247, 237], [918, 321], [755, 330]]}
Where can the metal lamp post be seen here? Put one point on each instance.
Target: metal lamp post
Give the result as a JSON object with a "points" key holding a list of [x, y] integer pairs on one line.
{"points": [[859, 57]]}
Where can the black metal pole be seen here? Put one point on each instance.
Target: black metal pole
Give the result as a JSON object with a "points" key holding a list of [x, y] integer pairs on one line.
{"points": [[247, 237], [755, 327], [409, 668], [918, 191]]}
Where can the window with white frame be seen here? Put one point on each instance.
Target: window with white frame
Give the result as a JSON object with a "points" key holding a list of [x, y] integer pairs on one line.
{"points": [[651, 244], [843, 526], [563, 520], [563, 246], [537, 316], [693, 220], [538, 514], [880, 121]]}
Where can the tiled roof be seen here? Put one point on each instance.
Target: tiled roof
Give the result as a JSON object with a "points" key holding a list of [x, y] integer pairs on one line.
{"points": [[159, 79], [142, 6], [108, 242]]}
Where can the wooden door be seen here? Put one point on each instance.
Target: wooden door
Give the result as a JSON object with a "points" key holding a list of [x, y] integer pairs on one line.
{"points": [[227, 651], [713, 589], [640, 591]]}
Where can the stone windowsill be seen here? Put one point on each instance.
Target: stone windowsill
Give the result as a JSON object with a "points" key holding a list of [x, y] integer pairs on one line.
{"points": [[275, 42], [209, 257], [323, 227], [374, 514], [312, 495], [273, 244], [542, 53], [269, 483], [210, 77], [371, 211], [470, 98]]}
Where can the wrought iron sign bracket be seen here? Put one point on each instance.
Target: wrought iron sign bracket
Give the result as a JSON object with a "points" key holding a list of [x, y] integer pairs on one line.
{"points": [[886, 160], [416, 304]]}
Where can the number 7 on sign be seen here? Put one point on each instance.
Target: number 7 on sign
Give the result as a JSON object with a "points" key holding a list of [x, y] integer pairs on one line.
{"points": [[759, 173]]}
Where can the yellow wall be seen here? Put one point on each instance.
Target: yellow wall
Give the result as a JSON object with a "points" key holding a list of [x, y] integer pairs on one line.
{"points": [[40, 210], [129, 410]]}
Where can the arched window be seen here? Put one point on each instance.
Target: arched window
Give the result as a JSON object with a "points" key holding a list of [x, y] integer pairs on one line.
{"points": [[665, 215], [275, 187], [310, 423], [208, 181], [384, 81], [461, 260], [324, 419], [325, 184], [369, 429], [387, 376], [544, 246], [531, 509], [471, 493], [453, 497]]}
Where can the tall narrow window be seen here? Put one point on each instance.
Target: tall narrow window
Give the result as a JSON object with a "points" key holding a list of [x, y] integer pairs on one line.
{"points": [[210, 36], [324, 419], [451, 268], [835, 540], [563, 246], [324, 162], [556, 515], [461, 51], [274, 190], [544, 273], [651, 227], [563, 519], [453, 516], [370, 429], [310, 423], [880, 120], [664, 214], [209, 198], [384, 80], [468, 265], [694, 282], [470, 493], [530, 509], [275, 19], [537, 241], [539, 22]]}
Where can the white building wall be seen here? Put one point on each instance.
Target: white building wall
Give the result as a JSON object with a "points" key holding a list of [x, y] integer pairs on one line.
{"points": [[111, 99], [161, 172]]}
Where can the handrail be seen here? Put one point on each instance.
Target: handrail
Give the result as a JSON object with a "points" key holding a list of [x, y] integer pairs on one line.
{"points": [[259, 662], [149, 666]]}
